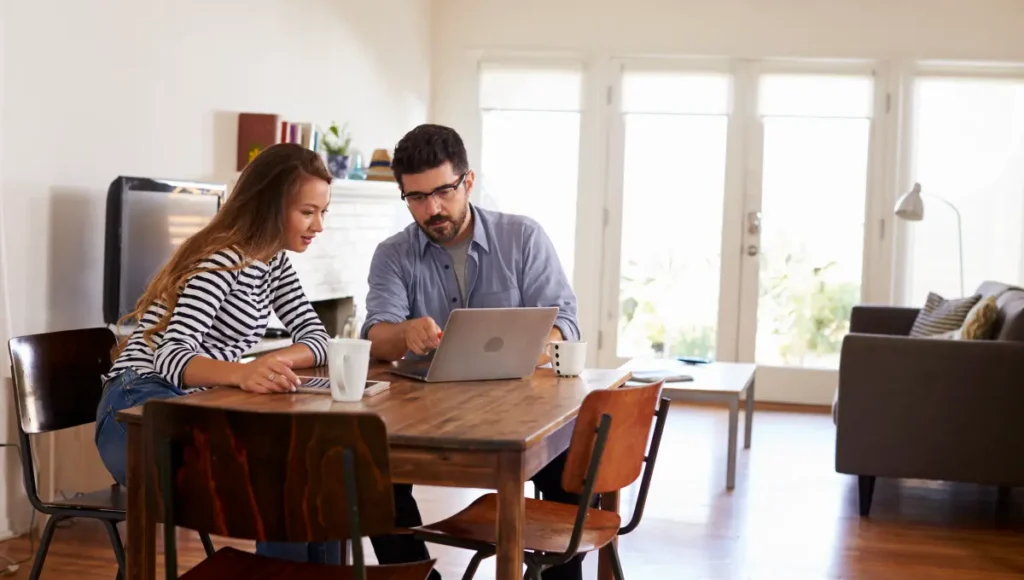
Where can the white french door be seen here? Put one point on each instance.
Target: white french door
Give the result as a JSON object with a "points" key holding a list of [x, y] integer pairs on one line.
{"points": [[742, 190]]}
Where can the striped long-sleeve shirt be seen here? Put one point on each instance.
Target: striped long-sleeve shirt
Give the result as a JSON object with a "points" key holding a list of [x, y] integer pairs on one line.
{"points": [[222, 314]]}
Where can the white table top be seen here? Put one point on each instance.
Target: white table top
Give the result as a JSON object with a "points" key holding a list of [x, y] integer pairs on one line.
{"points": [[715, 377]]}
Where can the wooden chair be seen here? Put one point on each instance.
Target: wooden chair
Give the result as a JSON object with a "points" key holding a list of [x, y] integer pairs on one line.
{"points": [[271, 476], [57, 385], [606, 454]]}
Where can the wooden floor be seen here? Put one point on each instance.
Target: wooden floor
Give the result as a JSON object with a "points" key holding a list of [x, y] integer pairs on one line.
{"points": [[790, 517]]}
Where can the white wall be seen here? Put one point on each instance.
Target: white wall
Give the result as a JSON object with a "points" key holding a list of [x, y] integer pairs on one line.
{"points": [[594, 31], [96, 89], [8, 458]]}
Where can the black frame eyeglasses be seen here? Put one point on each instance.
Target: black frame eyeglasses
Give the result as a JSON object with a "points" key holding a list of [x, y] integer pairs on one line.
{"points": [[442, 192]]}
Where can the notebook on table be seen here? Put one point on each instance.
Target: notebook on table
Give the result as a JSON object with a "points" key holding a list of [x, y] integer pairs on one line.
{"points": [[654, 376]]}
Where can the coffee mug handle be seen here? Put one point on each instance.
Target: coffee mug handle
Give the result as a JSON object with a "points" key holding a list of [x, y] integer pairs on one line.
{"points": [[548, 351]]}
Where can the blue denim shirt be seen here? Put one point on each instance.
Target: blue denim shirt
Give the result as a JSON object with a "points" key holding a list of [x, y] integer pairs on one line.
{"points": [[511, 263]]}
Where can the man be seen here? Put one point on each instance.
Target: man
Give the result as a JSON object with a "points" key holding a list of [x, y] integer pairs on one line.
{"points": [[457, 255]]}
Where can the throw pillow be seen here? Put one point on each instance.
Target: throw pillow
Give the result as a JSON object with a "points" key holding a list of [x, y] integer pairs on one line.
{"points": [[981, 320], [940, 315]]}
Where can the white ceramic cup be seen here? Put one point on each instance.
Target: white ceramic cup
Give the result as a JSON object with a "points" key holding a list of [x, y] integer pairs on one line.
{"points": [[568, 357], [348, 363]]}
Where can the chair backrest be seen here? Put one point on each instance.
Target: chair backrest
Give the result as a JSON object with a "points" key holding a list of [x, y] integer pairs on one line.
{"points": [[632, 411], [58, 377], [268, 476]]}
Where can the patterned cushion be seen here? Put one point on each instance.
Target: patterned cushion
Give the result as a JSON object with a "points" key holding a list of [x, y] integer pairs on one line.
{"points": [[939, 316], [980, 321]]}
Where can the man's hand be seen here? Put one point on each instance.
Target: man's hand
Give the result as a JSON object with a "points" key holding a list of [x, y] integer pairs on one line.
{"points": [[555, 334], [267, 374], [422, 335]]}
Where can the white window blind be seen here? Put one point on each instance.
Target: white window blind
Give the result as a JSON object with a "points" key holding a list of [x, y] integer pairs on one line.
{"points": [[530, 121], [510, 87]]}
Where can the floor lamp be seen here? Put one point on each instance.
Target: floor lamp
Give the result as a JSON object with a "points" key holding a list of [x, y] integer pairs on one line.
{"points": [[911, 208]]}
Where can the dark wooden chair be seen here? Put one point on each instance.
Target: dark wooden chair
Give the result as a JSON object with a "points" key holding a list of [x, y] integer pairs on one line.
{"points": [[57, 385], [277, 477], [606, 453]]}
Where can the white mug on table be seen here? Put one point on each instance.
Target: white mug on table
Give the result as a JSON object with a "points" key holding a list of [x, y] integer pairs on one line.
{"points": [[568, 357], [348, 363]]}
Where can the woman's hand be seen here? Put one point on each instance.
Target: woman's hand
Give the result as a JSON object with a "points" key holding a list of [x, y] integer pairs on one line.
{"points": [[268, 374]]}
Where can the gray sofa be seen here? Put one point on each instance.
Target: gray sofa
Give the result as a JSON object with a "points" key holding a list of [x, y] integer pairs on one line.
{"points": [[934, 409]]}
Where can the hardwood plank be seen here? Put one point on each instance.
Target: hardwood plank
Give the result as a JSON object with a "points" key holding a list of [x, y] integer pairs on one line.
{"points": [[473, 415], [791, 516]]}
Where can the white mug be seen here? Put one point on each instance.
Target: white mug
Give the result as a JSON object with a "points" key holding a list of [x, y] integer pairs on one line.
{"points": [[567, 357], [348, 363]]}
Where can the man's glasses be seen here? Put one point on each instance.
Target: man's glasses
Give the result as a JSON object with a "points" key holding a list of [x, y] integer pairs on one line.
{"points": [[442, 193]]}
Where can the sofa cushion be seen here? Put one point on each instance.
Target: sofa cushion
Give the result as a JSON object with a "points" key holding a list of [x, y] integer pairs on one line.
{"points": [[939, 315], [1010, 300]]}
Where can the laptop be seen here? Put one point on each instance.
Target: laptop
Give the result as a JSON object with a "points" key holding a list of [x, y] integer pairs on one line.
{"points": [[481, 344]]}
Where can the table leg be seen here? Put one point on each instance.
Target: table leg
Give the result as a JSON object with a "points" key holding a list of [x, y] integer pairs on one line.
{"points": [[609, 502], [141, 521], [511, 516], [749, 415], [734, 423]]}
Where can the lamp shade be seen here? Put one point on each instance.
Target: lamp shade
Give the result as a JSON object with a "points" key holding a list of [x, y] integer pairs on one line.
{"points": [[910, 207]]}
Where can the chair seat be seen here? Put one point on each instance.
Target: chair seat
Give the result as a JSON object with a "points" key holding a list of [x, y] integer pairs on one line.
{"points": [[233, 563], [548, 526], [113, 499]]}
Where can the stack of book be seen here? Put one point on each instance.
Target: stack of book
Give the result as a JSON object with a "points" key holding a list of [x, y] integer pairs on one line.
{"points": [[257, 131]]}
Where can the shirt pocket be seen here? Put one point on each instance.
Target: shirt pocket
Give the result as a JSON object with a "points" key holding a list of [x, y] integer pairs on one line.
{"points": [[506, 298]]}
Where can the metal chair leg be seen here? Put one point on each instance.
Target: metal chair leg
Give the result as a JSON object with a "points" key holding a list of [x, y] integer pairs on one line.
{"points": [[474, 564], [207, 544], [115, 542], [44, 546], [616, 564]]}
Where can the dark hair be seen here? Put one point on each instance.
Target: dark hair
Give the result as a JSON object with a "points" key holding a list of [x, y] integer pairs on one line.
{"points": [[426, 147]]}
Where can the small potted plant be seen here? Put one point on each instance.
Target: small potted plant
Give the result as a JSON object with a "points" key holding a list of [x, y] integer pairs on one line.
{"points": [[336, 144]]}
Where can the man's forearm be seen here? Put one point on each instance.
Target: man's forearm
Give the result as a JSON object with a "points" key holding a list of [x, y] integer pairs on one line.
{"points": [[387, 341]]}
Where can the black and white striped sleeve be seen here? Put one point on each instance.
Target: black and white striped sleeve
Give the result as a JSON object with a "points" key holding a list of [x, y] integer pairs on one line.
{"points": [[198, 305], [294, 310]]}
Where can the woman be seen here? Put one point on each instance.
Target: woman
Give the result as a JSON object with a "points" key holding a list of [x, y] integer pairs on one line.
{"points": [[210, 303]]}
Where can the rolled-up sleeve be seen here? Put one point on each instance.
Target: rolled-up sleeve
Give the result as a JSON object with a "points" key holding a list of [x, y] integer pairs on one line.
{"points": [[544, 282], [292, 307], [388, 298]]}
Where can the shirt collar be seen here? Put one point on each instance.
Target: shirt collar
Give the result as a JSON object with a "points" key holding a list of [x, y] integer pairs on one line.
{"points": [[479, 233]]}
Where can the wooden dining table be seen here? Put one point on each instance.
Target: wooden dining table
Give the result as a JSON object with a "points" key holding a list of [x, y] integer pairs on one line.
{"points": [[475, 434]]}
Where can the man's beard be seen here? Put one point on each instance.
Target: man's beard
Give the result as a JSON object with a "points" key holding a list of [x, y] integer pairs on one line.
{"points": [[442, 228]]}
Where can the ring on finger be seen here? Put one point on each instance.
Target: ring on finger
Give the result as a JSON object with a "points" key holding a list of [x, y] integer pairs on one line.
{"points": [[272, 376]]}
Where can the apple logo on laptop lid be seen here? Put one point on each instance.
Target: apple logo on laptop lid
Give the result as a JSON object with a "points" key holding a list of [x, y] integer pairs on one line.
{"points": [[494, 345]]}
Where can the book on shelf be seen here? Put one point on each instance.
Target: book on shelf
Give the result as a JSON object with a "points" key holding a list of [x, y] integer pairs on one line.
{"points": [[257, 131]]}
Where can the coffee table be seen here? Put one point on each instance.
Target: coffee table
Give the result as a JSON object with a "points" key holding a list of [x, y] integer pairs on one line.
{"points": [[724, 382]]}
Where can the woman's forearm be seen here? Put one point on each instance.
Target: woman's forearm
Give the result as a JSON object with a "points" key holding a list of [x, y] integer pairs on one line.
{"points": [[299, 355], [202, 371]]}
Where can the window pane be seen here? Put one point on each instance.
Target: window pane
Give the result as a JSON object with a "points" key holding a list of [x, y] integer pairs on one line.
{"points": [[815, 95], [673, 189], [529, 166], [534, 89], [672, 92], [812, 237], [968, 148]]}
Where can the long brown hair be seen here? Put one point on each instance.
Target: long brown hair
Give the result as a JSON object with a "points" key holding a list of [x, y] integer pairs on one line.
{"points": [[251, 222]]}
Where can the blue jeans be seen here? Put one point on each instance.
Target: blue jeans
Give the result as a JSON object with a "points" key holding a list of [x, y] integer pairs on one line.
{"points": [[127, 390]]}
